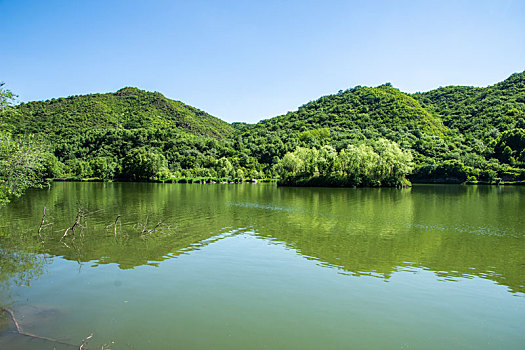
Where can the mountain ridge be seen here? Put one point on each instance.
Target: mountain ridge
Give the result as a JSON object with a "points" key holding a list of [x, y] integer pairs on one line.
{"points": [[452, 132], [127, 108]]}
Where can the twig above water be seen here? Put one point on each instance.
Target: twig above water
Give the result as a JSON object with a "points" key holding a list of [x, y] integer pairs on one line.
{"points": [[115, 225], [42, 225], [78, 223], [116, 220]]}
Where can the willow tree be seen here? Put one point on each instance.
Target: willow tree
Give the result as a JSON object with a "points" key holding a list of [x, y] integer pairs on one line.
{"points": [[375, 163]]}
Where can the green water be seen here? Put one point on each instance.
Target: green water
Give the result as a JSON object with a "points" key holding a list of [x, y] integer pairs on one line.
{"points": [[261, 267]]}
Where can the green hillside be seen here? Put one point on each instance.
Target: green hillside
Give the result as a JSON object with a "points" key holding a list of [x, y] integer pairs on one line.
{"points": [[128, 108], [363, 108], [363, 135], [351, 116], [482, 113], [453, 133], [130, 134]]}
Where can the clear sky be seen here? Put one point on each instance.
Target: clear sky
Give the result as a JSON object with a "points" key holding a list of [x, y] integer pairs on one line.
{"points": [[252, 60]]}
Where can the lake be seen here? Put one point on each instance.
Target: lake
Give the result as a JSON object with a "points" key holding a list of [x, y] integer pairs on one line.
{"points": [[255, 266]]}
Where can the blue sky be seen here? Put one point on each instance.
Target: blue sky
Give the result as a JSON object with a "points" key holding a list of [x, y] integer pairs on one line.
{"points": [[252, 60]]}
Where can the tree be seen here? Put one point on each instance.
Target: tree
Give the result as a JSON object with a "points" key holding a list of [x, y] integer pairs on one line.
{"points": [[104, 167], [509, 144], [327, 160], [289, 165], [6, 98], [521, 158], [22, 158], [393, 162], [142, 164], [21, 165], [225, 168], [379, 163]]}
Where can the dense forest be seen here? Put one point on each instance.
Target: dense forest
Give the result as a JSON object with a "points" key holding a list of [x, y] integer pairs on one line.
{"points": [[451, 134]]}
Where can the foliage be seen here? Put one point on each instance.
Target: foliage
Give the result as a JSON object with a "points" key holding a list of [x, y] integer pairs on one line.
{"points": [[128, 108], [24, 160], [22, 165], [379, 163], [510, 145], [452, 133], [143, 164], [6, 97], [482, 113]]}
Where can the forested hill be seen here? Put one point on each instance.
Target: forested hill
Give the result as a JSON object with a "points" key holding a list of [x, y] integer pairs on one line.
{"points": [[363, 108], [449, 134], [480, 112], [128, 108], [354, 115]]}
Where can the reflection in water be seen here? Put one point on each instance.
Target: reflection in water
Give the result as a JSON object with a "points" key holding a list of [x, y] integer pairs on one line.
{"points": [[20, 261], [452, 230], [239, 262]]}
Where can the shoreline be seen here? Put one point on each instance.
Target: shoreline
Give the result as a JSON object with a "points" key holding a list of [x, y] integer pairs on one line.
{"points": [[212, 181]]}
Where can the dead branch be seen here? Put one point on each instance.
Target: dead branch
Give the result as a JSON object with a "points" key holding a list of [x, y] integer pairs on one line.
{"points": [[93, 212], [42, 224], [80, 222], [80, 215], [18, 329], [21, 332], [144, 231], [154, 229], [30, 335], [116, 220], [144, 226], [85, 341]]}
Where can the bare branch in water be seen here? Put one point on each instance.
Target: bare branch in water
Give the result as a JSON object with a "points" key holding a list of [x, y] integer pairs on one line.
{"points": [[80, 222], [144, 226], [18, 329], [85, 341], [21, 332], [116, 220], [153, 230], [42, 225], [81, 216], [93, 212]]}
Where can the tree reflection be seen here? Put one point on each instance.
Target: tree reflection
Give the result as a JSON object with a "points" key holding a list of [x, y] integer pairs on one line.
{"points": [[456, 231]]}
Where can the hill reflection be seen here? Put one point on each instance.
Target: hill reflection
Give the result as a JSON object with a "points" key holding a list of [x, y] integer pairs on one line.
{"points": [[455, 231]]}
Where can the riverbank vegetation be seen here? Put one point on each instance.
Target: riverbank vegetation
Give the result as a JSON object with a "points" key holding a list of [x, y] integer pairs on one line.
{"points": [[379, 163], [25, 160], [454, 134]]}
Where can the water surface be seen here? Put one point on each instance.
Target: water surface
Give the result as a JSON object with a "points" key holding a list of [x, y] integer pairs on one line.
{"points": [[261, 267]]}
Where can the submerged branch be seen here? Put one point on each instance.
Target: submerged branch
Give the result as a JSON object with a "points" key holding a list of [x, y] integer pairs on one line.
{"points": [[18, 329], [21, 332], [85, 341]]}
